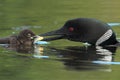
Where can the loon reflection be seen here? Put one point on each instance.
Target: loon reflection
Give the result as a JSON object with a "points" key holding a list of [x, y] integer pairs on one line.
{"points": [[81, 58], [73, 57]]}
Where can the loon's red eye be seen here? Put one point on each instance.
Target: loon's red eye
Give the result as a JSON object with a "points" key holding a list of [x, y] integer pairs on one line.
{"points": [[71, 29]]}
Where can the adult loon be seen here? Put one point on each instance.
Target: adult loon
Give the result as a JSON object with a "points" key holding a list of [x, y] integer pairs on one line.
{"points": [[92, 31]]}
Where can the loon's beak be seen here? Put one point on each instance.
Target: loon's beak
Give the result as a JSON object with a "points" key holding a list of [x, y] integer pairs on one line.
{"points": [[57, 34]]}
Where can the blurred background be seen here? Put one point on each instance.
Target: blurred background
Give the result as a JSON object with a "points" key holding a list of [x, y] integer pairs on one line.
{"points": [[52, 14]]}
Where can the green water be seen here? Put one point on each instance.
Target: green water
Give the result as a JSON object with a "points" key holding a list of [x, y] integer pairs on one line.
{"points": [[46, 15]]}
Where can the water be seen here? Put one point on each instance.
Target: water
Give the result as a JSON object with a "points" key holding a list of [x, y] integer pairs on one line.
{"points": [[40, 61], [62, 59]]}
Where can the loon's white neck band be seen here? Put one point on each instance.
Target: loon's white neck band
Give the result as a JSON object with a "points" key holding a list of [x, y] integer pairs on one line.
{"points": [[104, 37]]}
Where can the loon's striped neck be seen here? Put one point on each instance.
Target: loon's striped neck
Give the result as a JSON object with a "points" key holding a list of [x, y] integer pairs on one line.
{"points": [[104, 37]]}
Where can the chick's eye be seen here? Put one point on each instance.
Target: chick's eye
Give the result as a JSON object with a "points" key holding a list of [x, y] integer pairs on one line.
{"points": [[71, 29], [29, 35]]}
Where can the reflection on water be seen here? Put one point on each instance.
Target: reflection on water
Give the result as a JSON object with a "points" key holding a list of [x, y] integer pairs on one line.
{"points": [[82, 58], [73, 57], [38, 52], [19, 28], [25, 27], [19, 49]]}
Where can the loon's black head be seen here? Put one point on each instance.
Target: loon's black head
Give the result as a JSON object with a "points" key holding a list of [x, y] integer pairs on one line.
{"points": [[81, 30], [71, 30]]}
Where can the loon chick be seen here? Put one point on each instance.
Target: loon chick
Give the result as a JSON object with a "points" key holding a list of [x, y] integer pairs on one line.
{"points": [[23, 38]]}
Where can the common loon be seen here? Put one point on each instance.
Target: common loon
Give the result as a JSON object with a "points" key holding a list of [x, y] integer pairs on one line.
{"points": [[92, 31]]}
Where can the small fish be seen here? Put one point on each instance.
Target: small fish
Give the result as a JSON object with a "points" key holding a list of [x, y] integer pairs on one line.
{"points": [[38, 41]]}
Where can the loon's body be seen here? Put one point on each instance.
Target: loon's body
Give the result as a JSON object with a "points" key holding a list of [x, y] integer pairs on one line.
{"points": [[84, 30]]}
